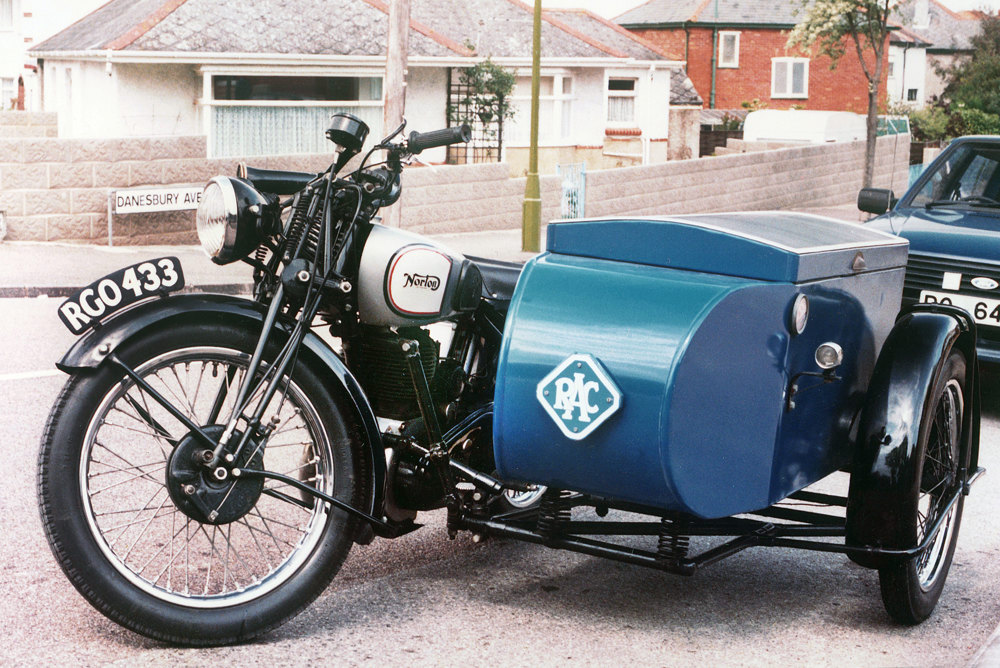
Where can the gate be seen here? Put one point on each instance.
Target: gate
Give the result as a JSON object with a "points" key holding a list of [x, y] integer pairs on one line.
{"points": [[573, 182]]}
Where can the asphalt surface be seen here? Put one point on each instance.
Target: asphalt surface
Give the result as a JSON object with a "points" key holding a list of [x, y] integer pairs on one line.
{"points": [[424, 600]]}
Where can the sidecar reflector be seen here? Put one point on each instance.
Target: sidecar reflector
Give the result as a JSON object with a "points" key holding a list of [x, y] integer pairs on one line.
{"points": [[800, 314]]}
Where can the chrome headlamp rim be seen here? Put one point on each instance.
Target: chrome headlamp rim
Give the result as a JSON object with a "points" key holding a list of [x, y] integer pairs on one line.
{"points": [[214, 248], [241, 218]]}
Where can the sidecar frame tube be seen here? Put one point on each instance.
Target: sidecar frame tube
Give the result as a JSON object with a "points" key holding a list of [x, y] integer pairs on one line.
{"points": [[747, 533]]}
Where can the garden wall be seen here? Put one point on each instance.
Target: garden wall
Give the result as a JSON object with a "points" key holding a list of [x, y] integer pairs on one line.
{"points": [[57, 189]]}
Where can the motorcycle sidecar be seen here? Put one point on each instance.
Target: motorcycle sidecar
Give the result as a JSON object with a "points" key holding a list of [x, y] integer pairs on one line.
{"points": [[705, 369], [671, 362]]}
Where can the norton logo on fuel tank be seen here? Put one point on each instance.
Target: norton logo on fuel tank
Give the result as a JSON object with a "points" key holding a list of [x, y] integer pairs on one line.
{"points": [[417, 281]]}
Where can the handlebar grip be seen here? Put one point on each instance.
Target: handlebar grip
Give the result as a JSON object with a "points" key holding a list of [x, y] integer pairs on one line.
{"points": [[420, 141]]}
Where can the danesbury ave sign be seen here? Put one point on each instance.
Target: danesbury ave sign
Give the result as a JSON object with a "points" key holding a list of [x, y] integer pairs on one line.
{"points": [[149, 200]]}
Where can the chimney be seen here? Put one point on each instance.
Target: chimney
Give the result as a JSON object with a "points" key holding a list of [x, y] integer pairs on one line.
{"points": [[921, 14]]}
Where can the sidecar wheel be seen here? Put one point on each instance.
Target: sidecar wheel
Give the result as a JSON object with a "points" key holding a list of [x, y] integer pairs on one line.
{"points": [[137, 553], [911, 588]]}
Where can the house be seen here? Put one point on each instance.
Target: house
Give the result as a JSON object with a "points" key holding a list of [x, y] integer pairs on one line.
{"points": [[736, 53], [907, 73], [947, 34], [24, 23], [265, 77]]}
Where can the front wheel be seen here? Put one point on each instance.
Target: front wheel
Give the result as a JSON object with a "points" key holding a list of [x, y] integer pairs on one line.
{"points": [[911, 588], [117, 487]]}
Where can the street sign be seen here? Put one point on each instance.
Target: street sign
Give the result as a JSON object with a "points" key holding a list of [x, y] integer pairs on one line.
{"points": [[148, 200]]}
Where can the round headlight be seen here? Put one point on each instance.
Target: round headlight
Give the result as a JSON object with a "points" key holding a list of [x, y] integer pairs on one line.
{"points": [[216, 213], [231, 219]]}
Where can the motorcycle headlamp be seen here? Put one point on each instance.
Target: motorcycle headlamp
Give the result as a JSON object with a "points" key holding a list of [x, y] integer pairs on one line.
{"points": [[231, 219]]}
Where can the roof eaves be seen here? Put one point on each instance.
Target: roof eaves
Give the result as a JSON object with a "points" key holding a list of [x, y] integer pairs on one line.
{"points": [[140, 29], [617, 28], [707, 25], [426, 31], [586, 39]]}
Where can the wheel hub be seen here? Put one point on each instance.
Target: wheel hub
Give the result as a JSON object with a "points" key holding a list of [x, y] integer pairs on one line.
{"points": [[211, 494]]}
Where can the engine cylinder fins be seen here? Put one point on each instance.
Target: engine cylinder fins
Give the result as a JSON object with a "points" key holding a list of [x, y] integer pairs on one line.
{"points": [[383, 372]]}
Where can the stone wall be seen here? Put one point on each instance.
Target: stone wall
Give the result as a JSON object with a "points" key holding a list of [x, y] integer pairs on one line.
{"points": [[802, 177], [57, 189], [20, 124]]}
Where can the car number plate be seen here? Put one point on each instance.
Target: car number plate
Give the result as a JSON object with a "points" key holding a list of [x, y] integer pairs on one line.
{"points": [[120, 289], [984, 311]]}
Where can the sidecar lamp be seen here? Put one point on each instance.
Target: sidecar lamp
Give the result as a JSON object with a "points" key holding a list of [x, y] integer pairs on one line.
{"points": [[800, 315], [829, 355]]}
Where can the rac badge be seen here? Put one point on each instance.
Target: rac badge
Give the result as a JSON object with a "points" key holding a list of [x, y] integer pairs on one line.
{"points": [[579, 396]]}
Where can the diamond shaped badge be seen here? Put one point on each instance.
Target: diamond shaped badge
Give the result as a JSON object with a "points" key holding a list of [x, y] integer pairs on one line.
{"points": [[579, 396]]}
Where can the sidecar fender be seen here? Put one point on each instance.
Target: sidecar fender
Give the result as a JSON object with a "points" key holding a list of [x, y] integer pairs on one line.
{"points": [[94, 347], [885, 472]]}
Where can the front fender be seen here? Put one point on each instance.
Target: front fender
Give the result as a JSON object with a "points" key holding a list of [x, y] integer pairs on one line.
{"points": [[885, 472], [94, 347]]}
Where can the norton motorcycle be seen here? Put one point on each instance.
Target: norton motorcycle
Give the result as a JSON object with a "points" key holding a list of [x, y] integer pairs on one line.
{"points": [[212, 459]]}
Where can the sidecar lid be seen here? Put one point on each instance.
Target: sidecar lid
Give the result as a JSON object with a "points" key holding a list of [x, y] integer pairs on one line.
{"points": [[764, 245]]}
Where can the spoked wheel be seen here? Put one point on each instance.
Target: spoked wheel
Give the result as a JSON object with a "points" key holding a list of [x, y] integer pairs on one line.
{"points": [[174, 550], [514, 500], [910, 589]]}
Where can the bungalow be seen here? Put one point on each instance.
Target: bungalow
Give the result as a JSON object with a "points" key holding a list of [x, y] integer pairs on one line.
{"points": [[263, 76]]}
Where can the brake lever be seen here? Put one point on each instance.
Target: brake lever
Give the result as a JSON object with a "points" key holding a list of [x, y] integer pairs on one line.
{"points": [[413, 158]]}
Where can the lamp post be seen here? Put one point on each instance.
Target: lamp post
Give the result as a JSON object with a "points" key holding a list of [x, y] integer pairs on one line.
{"points": [[532, 212]]}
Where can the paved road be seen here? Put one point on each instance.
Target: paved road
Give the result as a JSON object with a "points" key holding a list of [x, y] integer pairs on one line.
{"points": [[424, 600]]}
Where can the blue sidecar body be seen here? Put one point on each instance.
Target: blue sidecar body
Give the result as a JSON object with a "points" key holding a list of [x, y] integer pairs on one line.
{"points": [[671, 362]]}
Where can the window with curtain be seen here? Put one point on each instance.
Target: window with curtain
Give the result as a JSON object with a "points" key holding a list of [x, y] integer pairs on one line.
{"points": [[729, 49], [621, 101], [790, 77], [275, 115], [7, 14], [555, 109]]}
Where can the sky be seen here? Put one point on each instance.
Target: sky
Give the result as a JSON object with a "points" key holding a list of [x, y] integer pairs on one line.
{"points": [[612, 8]]}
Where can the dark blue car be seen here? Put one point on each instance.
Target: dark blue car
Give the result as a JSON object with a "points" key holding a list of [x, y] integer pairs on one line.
{"points": [[951, 217]]}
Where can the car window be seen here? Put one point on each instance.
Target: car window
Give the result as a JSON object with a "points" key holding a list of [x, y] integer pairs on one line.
{"points": [[977, 176], [970, 171]]}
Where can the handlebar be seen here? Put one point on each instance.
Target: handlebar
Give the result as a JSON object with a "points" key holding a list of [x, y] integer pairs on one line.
{"points": [[420, 141]]}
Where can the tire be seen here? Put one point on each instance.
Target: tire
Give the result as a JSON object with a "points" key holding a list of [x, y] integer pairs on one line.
{"points": [[911, 588], [130, 548]]}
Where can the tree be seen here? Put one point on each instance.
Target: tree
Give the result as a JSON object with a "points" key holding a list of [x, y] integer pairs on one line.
{"points": [[974, 82], [831, 27]]}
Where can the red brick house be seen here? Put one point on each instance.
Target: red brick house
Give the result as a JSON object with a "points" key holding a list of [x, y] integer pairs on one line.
{"points": [[751, 61]]}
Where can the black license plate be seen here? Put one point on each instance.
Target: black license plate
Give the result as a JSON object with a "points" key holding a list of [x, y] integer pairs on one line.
{"points": [[122, 288]]}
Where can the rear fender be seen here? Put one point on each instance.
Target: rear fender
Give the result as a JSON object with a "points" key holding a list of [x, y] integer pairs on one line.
{"points": [[884, 473], [93, 348]]}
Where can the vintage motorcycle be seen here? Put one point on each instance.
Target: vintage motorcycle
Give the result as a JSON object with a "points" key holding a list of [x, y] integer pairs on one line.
{"points": [[212, 459]]}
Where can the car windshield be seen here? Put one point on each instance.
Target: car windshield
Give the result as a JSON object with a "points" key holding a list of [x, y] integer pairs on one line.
{"points": [[970, 175]]}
